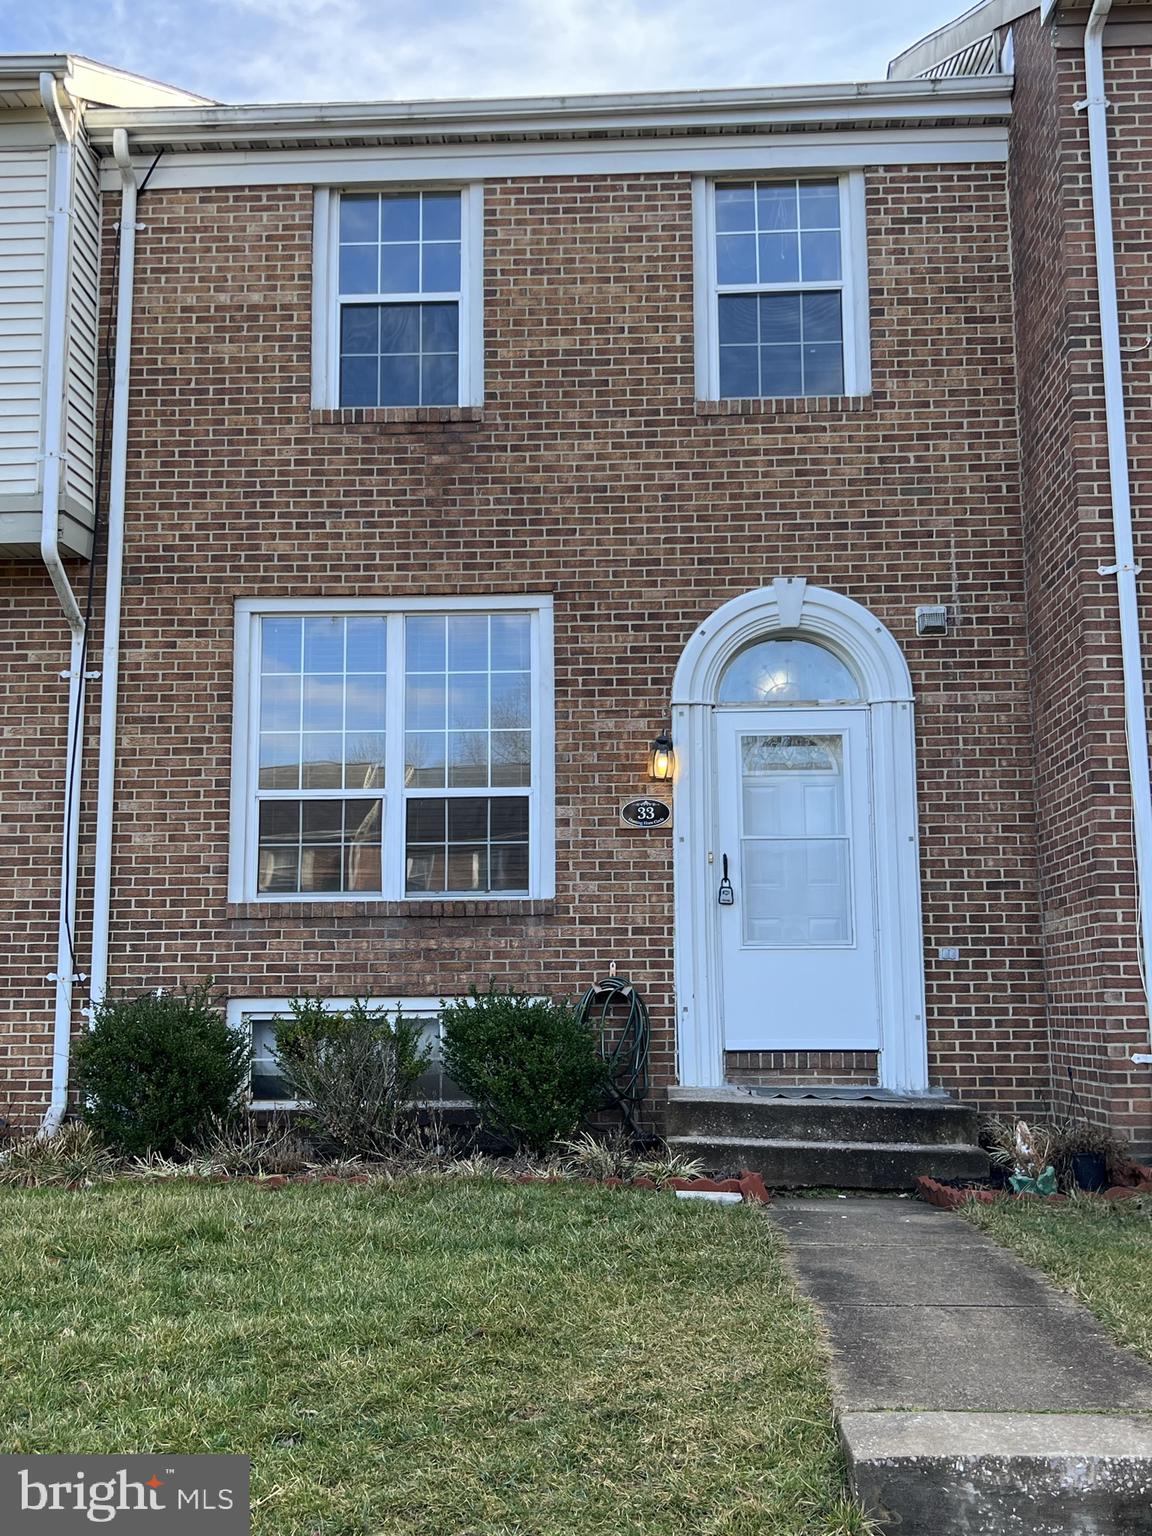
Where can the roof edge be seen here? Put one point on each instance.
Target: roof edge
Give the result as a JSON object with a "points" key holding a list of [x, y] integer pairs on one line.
{"points": [[954, 36], [259, 124], [90, 81]]}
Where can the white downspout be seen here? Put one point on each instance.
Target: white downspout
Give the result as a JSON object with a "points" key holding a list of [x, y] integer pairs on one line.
{"points": [[114, 580], [1125, 569], [55, 386]]}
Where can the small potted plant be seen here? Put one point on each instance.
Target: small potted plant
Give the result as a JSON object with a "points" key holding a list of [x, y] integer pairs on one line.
{"points": [[1088, 1153]]}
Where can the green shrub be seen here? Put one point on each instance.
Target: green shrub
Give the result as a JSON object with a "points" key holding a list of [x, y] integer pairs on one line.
{"points": [[530, 1065], [156, 1072], [355, 1068]]}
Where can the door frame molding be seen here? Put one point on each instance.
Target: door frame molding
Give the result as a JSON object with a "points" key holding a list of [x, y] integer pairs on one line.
{"points": [[790, 606]]}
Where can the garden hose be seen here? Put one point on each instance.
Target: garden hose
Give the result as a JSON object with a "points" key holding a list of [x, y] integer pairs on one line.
{"points": [[627, 1057]]}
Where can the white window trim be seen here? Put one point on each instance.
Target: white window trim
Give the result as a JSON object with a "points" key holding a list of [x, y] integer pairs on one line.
{"points": [[325, 293], [853, 285], [541, 796], [240, 1011]]}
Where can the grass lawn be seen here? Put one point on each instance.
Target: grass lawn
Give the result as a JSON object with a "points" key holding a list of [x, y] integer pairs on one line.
{"points": [[447, 1358], [1099, 1250]]}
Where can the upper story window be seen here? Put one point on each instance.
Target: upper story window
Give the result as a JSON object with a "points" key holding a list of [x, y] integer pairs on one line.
{"points": [[782, 288], [393, 749], [397, 308]]}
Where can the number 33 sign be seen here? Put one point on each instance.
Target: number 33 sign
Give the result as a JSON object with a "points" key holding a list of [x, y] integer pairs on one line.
{"points": [[646, 813]]}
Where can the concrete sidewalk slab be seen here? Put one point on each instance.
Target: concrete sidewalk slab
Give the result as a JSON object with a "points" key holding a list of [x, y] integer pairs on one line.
{"points": [[834, 1222], [844, 1275], [949, 1357]]}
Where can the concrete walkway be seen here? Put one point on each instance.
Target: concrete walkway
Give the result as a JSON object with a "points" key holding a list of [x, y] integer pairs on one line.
{"points": [[949, 1359]]}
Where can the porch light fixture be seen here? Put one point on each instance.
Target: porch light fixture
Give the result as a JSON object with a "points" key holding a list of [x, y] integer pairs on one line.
{"points": [[663, 759]]}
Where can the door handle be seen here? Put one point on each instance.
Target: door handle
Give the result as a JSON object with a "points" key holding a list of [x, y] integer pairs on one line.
{"points": [[726, 896]]}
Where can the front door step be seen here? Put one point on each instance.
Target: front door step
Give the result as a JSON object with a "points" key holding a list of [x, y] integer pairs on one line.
{"points": [[883, 1165], [927, 1474], [845, 1142]]}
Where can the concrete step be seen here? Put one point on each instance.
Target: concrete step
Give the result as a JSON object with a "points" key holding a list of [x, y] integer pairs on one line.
{"points": [[734, 1112], [1047, 1474], [804, 1164]]}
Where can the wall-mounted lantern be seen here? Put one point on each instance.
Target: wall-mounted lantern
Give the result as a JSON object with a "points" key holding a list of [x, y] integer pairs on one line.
{"points": [[663, 759]]}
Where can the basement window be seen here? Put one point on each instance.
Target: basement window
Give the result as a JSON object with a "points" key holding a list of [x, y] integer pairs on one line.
{"points": [[256, 1019]]}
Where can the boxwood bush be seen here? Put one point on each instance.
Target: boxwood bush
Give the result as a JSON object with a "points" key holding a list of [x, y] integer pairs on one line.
{"points": [[530, 1065], [155, 1072]]}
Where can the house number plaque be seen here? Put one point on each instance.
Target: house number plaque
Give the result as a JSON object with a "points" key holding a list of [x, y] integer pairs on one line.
{"points": [[646, 812]]}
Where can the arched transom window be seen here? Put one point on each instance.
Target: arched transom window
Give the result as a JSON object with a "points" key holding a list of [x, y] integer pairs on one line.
{"points": [[786, 671]]}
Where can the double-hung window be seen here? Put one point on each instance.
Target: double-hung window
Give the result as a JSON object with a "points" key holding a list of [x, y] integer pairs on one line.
{"points": [[393, 749], [782, 310], [397, 309]]}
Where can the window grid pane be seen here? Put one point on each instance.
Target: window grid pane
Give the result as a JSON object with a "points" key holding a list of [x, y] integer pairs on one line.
{"points": [[322, 702], [781, 344], [473, 844], [319, 845], [395, 347], [783, 236], [319, 733], [467, 701], [321, 715]]}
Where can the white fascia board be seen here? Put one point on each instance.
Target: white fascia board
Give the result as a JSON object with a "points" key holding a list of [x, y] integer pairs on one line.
{"points": [[90, 81], [479, 162], [87, 80], [906, 100]]}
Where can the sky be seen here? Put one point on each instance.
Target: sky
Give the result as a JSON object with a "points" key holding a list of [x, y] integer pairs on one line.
{"points": [[378, 50]]}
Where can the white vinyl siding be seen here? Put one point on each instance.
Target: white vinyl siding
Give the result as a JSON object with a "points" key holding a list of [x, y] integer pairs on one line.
{"points": [[83, 322], [26, 199], [24, 189]]}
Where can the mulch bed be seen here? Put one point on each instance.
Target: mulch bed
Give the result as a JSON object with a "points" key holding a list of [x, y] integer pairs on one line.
{"points": [[750, 1186]]}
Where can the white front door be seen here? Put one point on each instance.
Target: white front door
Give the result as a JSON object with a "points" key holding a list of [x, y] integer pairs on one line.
{"points": [[796, 917]]}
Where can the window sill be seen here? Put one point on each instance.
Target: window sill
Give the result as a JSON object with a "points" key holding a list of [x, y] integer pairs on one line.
{"points": [[791, 405], [442, 907], [397, 415]]}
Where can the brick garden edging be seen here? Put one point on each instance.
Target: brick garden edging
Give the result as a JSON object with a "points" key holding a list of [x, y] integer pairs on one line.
{"points": [[948, 1199]]}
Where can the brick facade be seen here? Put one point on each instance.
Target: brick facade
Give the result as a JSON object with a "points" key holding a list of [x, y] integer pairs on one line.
{"points": [[1096, 1001], [592, 474]]}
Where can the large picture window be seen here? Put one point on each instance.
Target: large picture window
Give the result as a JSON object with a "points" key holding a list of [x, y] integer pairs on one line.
{"points": [[393, 750]]}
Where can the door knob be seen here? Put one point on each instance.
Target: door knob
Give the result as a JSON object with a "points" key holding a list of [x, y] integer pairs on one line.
{"points": [[726, 896]]}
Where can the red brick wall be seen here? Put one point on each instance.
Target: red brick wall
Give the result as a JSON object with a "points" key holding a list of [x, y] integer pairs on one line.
{"points": [[589, 438], [1096, 1002], [34, 651]]}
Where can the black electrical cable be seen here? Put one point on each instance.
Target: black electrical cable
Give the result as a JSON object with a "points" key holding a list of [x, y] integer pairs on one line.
{"points": [[75, 721], [627, 1057]]}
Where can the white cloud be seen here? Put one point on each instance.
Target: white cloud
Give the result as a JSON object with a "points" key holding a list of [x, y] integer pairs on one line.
{"points": [[269, 50]]}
